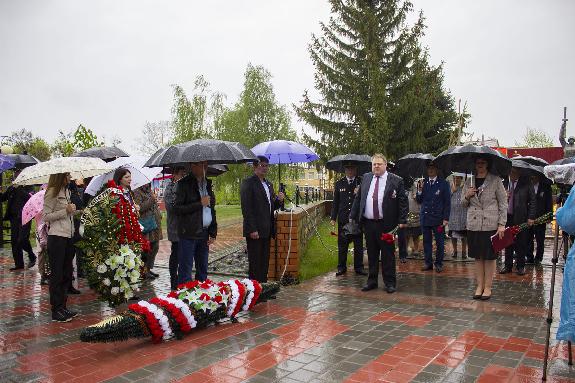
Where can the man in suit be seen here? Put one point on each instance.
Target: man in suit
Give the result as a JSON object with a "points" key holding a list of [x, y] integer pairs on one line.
{"points": [[521, 207], [544, 204], [379, 207], [259, 202], [16, 197], [345, 190], [435, 199], [197, 227]]}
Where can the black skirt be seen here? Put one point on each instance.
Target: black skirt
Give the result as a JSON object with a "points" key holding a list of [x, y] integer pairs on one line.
{"points": [[479, 245]]}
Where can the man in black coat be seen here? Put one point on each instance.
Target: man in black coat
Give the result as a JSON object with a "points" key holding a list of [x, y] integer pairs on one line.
{"points": [[197, 226], [259, 202], [380, 207], [17, 196], [544, 204], [344, 193], [521, 209]]}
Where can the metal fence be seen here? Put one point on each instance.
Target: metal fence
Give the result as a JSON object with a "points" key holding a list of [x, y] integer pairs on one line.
{"points": [[305, 195]]}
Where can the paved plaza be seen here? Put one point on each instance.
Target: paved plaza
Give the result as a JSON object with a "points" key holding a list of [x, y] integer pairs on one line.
{"points": [[323, 330]]}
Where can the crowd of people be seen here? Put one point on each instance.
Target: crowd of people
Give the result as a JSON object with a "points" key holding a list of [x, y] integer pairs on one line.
{"points": [[468, 209]]}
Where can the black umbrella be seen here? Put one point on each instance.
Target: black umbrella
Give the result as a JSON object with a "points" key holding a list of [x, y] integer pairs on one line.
{"points": [[531, 160], [462, 159], [212, 151], [106, 153], [22, 161], [413, 165], [361, 161], [526, 169], [564, 161], [216, 170]]}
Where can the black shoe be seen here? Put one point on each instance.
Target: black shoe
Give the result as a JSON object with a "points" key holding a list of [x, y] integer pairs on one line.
{"points": [[427, 268], [154, 274], [368, 287], [340, 272], [72, 290], [71, 314], [61, 316], [390, 289], [463, 256], [521, 271], [403, 260], [505, 270], [360, 272], [32, 262], [485, 297], [16, 268], [438, 269], [44, 280], [477, 297]]}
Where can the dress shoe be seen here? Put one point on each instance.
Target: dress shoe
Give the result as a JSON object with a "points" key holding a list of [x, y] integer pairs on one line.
{"points": [[360, 272], [521, 271], [438, 269], [61, 316], [485, 297], [31, 262], [427, 268], [71, 314], [368, 287], [505, 270], [403, 260], [73, 291], [390, 289], [154, 274], [477, 296], [340, 272]]}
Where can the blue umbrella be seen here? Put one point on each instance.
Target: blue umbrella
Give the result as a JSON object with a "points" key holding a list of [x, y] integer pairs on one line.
{"points": [[284, 152], [6, 162]]}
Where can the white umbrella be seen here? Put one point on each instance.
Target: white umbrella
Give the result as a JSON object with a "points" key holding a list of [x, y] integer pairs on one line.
{"points": [[78, 167], [140, 175]]}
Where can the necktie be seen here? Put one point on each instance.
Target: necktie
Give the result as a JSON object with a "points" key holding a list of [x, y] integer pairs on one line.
{"points": [[510, 203], [375, 199]]}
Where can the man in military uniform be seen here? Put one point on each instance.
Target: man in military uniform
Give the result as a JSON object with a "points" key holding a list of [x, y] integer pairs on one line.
{"points": [[345, 190]]}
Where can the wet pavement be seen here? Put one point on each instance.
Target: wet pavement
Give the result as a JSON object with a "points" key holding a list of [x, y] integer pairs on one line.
{"points": [[323, 330]]}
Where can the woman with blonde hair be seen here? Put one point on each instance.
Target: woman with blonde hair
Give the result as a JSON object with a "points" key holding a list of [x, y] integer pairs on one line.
{"points": [[59, 215]]}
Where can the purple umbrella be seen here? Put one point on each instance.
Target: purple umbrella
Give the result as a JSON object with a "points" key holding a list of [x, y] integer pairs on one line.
{"points": [[284, 152], [6, 162]]}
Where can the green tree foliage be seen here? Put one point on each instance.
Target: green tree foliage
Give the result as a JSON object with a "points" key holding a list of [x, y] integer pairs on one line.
{"points": [[23, 141], [378, 91], [80, 139], [535, 138]]}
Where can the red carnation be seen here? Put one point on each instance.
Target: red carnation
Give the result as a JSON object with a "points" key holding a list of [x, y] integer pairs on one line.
{"points": [[387, 238], [218, 299], [204, 297], [440, 229]]}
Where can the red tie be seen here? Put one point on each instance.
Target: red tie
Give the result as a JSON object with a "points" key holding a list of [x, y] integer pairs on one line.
{"points": [[375, 201]]}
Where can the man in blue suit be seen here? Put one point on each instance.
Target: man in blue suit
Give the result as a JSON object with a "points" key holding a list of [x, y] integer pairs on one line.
{"points": [[435, 199]]}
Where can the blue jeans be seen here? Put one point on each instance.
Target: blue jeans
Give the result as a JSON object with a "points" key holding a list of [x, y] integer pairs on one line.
{"points": [[427, 244], [190, 251]]}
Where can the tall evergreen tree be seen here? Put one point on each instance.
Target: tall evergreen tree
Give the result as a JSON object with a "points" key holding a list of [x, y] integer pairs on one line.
{"points": [[378, 91]]}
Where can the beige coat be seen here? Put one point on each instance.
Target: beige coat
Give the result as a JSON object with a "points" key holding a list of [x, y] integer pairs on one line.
{"points": [[488, 208], [55, 214]]}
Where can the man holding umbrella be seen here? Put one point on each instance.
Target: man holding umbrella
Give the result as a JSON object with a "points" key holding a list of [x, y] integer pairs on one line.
{"points": [[544, 205], [435, 199], [521, 207], [345, 190], [196, 222]]}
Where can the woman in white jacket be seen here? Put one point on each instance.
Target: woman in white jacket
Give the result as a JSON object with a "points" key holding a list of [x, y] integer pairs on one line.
{"points": [[58, 214]]}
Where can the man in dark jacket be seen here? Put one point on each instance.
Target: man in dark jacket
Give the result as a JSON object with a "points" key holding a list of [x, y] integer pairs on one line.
{"points": [[197, 226], [379, 207], [544, 205], [435, 199], [17, 196], [521, 209], [344, 193], [259, 202], [172, 223]]}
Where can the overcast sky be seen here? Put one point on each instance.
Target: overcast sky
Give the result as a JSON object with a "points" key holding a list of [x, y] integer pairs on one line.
{"points": [[109, 64]]}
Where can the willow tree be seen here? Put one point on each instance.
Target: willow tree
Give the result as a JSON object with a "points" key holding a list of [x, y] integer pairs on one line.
{"points": [[378, 91]]}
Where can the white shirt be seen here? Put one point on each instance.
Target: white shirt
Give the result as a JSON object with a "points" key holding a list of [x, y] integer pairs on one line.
{"points": [[368, 213], [350, 180], [535, 187], [267, 189], [432, 180]]}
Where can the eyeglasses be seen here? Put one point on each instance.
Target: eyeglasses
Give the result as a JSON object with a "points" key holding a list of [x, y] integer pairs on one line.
{"points": [[263, 165]]}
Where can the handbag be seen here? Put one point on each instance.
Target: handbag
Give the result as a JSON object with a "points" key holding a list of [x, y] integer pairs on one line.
{"points": [[351, 229], [148, 223]]}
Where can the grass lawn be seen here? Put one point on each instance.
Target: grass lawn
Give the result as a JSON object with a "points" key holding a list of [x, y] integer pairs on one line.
{"points": [[317, 259]]}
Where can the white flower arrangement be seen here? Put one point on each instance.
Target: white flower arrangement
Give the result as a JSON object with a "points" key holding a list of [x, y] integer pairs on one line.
{"points": [[251, 291], [102, 268], [120, 272], [235, 296]]}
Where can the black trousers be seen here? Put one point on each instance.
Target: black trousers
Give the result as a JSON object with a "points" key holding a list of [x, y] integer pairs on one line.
{"points": [[342, 247], [376, 249], [519, 247], [258, 258], [20, 241], [173, 264], [402, 243], [61, 255], [539, 233]]}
